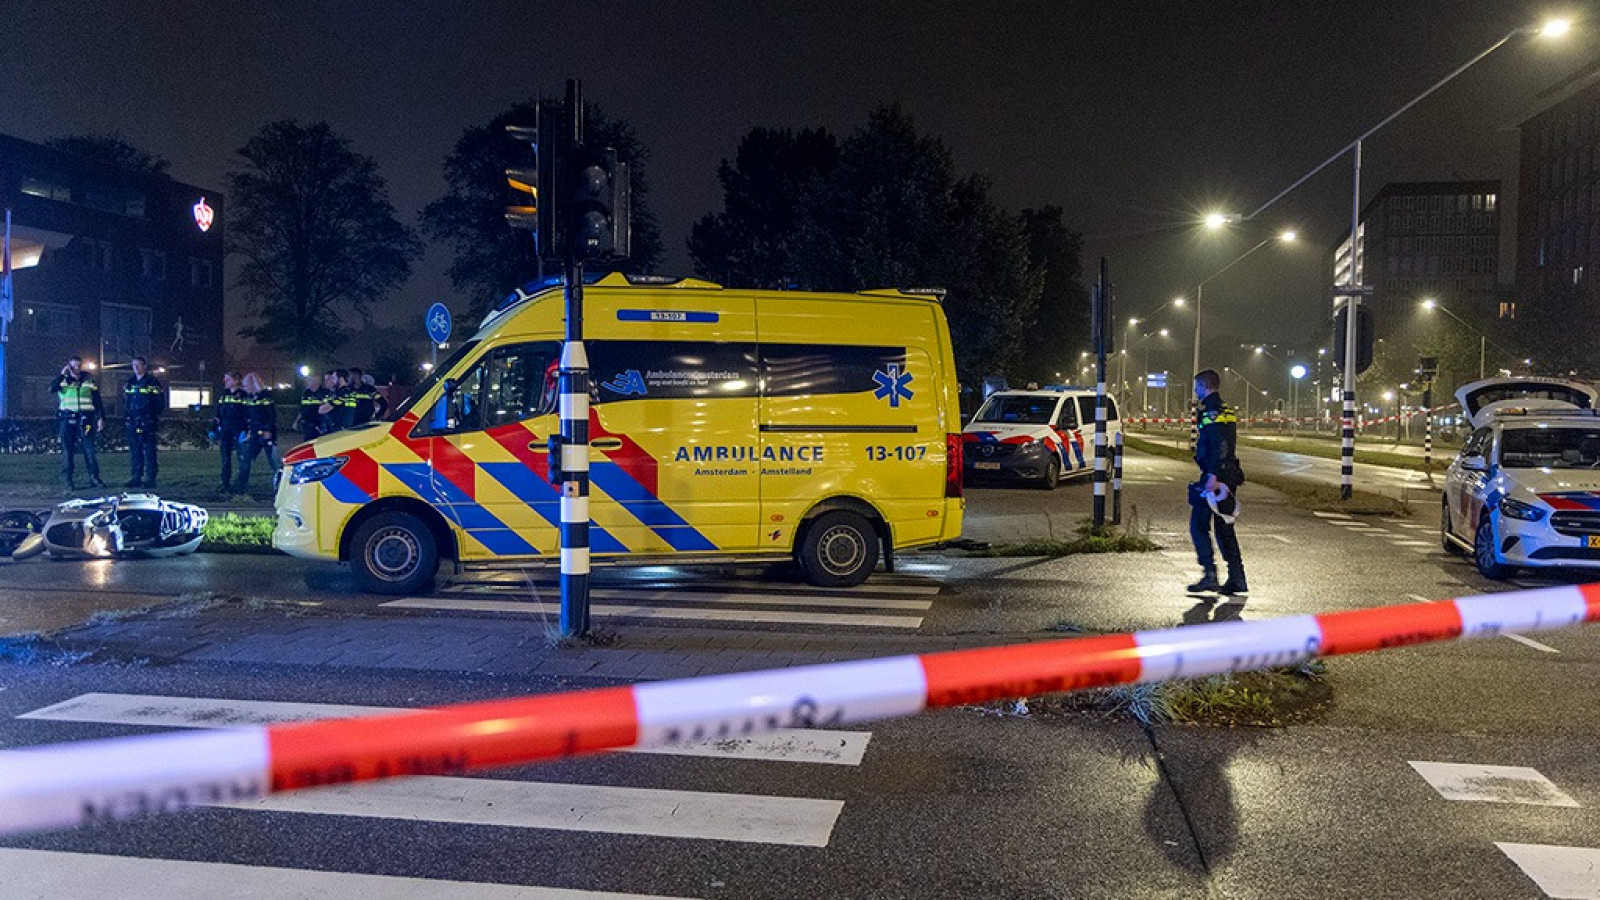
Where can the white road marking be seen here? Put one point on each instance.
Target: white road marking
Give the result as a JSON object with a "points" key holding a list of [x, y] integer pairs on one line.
{"points": [[805, 745], [703, 815], [1415, 526], [660, 612], [1492, 784], [698, 588], [637, 596], [1405, 543], [1279, 537], [1417, 597], [85, 876], [1329, 515], [1565, 873], [1530, 642]]}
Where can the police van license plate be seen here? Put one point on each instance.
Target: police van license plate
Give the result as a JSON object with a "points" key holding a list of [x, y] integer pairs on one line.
{"points": [[1594, 539], [995, 465]]}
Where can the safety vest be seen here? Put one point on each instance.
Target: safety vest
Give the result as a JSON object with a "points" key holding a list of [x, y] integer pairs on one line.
{"points": [[77, 397]]}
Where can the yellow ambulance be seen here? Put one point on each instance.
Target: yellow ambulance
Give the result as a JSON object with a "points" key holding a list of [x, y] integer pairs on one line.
{"points": [[724, 425]]}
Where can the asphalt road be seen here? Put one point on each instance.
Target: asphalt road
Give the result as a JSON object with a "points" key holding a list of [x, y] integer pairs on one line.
{"points": [[958, 803]]}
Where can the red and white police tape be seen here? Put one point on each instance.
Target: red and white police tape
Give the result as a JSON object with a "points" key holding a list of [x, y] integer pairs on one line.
{"points": [[1285, 420], [65, 785]]}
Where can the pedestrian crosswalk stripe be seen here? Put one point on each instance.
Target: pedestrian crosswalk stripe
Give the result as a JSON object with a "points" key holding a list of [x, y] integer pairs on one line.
{"points": [[1558, 871], [796, 617], [1492, 784], [705, 815], [804, 745], [1403, 543], [872, 586], [1329, 515], [692, 597], [58, 875]]}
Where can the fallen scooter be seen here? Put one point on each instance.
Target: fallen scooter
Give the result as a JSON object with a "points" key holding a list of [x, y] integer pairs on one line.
{"points": [[125, 526]]}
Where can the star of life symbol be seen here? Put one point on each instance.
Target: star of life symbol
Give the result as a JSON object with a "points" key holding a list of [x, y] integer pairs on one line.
{"points": [[892, 384]]}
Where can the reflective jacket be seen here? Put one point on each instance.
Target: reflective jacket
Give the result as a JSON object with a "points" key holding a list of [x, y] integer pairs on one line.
{"points": [[1218, 440], [260, 414], [143, 400], [231, 413], [77, 396]]}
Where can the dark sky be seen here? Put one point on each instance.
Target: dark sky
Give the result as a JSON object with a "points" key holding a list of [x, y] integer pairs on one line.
{"points": [[1133, 116]]}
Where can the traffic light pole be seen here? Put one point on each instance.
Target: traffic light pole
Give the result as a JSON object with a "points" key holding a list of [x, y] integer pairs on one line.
{"points": [[574, 448]]}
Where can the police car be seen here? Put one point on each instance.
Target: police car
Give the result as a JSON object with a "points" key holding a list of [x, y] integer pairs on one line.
{"points": [[1525, 489], [1034, 436]]}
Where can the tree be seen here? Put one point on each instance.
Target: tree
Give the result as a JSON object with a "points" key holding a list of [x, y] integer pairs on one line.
{"points": [[112, 150], [395, 362], [319, 237], [1062, 322], [491, 257], [751, 243]]}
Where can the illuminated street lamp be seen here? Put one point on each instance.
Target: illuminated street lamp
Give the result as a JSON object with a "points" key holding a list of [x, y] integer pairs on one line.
{"points": [[1297, 372], [1351, 291]]}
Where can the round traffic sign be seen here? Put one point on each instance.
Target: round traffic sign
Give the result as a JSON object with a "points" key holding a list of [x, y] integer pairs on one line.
{"points": [[437, 321]]}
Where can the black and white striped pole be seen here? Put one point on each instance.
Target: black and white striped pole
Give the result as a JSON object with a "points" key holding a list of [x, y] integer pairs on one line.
{"points": [[1102, 337], [1116, 480], [573, 384]]}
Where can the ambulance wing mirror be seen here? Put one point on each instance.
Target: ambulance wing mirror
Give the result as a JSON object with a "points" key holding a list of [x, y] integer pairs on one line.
{"points": [[439, 417]]}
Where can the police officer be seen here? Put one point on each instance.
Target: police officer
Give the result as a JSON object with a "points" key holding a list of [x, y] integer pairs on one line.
{"points": [[337, 407], [80, 415], [310, 419], [260, 430], [380, 403], [366, 403], [143, 402], [1215, 452], [229, 427]]}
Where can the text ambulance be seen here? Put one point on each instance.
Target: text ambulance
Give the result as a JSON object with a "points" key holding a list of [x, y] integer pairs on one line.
{"points": [[724, 424]]}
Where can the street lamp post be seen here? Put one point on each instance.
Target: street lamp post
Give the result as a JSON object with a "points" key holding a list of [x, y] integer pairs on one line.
{"points": [[1483, 340], [1352, 290], [1214, 221]]}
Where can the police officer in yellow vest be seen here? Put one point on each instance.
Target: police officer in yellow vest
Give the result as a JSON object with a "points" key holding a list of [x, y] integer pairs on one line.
{"points": [[79, 417]]}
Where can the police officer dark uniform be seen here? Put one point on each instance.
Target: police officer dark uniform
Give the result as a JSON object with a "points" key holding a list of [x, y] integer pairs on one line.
{"points": [[260, 428], [1216, 453], [229, 426], [336, 410], [143, 402], [310, 419], [79, 416], [366, 403]]}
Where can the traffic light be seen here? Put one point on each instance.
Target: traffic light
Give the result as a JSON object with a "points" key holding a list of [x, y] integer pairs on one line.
{"points": [[597, 204], [1364, 337], [524, 182]]}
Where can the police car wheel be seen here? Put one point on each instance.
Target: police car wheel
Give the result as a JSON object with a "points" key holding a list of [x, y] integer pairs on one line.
{"points": [[394, 553], [840, 549], [1483, 554], [1052, 475]]}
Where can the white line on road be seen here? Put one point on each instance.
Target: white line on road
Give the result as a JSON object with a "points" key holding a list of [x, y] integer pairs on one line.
{"points": [[1279, 537], [636, 596], [1492, 784], [1569, 872], [704, 815], [1530, 642], [1403, 543], [661, 612], [863, 591], [1329, 515], [806, 745], [1417, 597], [83, 876]]}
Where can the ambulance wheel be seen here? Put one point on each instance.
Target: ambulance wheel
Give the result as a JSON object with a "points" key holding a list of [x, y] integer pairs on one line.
{"points": [[394, 553], [1483, 554], [840, 549], [1052, 475]]}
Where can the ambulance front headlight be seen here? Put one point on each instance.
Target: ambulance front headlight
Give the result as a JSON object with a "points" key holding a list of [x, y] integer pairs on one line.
{"points": [[313, 470]]}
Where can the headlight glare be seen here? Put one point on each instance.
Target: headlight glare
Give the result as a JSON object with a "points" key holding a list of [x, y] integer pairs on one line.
{"points": [[1517, 509], [314, 470]]}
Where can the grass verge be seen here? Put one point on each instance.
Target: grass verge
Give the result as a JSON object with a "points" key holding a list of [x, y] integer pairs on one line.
{"points": [[235, 533], [1301, 493], [1271, 698]]}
